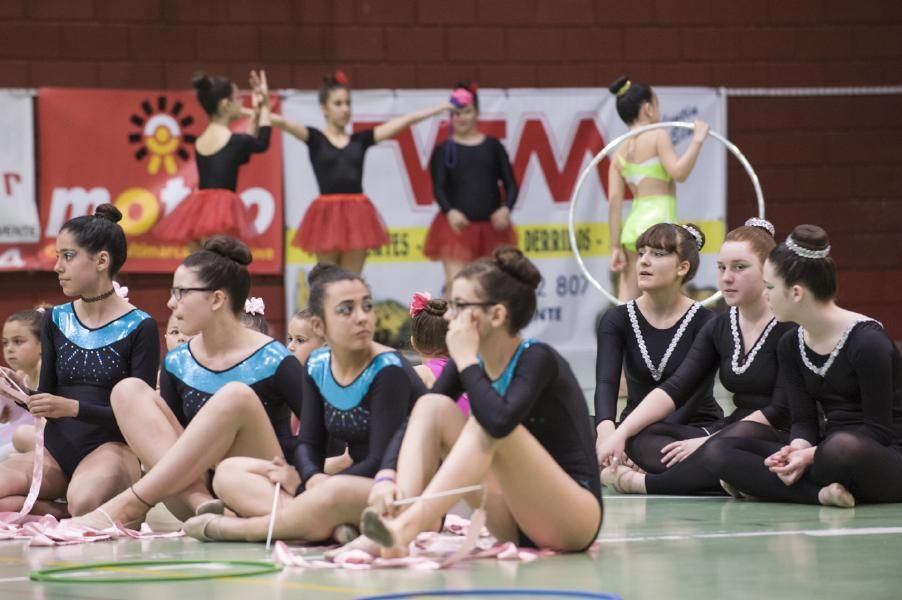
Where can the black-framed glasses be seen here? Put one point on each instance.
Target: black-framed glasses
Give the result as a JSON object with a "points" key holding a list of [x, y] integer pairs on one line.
{"points": [[455, 307], [179, 292]]}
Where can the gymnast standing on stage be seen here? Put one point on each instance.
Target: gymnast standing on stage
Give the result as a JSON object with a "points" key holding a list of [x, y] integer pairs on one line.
{"points": [[650, 167], [742, 344], [342, 224], [228, 391], [215, 208], [527, 440], [840, 362], [87, 347], [467, 170], [647, 339], [355, 391]]}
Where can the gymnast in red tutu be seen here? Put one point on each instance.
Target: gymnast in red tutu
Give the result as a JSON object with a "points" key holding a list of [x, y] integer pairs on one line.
{"points": [[466, 171], [342, 224], [214, 208]]}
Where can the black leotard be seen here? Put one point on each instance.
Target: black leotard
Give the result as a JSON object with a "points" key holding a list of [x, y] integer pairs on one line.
{"points": [[272, 372], [861, 397], [83, 364], [365, 414], [466, 178], [539, 391], [220, 169], [754, 389], [618, 350], [339, 170]]}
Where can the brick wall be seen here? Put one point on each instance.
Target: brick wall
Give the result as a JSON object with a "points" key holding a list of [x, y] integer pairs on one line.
{"points": [[832, 161]]}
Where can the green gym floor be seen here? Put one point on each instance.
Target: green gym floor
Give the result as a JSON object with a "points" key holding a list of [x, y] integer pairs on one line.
{"points": [[651, 547]]}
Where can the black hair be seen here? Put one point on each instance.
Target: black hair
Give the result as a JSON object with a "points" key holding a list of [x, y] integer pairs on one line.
{"points": [[101, 232], [471, 87], [331, 82], [816, 274], [222, 265], [211, 91], [630, 98], [677, 239], [429, 328], [321, 276], [508, 278]]}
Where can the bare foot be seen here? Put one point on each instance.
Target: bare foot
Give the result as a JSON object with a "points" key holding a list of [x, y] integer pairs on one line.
{"points": [[836, 494]]}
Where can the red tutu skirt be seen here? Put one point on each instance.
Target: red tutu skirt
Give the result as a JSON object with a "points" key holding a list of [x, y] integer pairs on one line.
{"points": [[476, 240], [339, 223], [206, 213]]}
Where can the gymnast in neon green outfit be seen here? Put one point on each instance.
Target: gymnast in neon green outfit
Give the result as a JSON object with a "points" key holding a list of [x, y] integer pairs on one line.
{"points": [[649, 165]]}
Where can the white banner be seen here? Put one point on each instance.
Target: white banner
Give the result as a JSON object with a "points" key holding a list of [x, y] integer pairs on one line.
{"points": [[18, 203], [550, 135]]}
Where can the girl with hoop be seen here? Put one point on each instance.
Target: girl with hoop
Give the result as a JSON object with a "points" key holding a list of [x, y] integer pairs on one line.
{"points": [[87, 347], [742, 345], [356, 391], [527, 440], [649, 165], [648, 338], [228, 391], [215, 208], [466, 171], [342, 224], [839, 361]]}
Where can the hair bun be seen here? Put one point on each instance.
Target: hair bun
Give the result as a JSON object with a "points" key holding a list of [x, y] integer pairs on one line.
{"points": [[230, 248], [811, 237], [617, 86], [696, 232], [437, 307], [109, 212], [512, 261], [201, 82]]}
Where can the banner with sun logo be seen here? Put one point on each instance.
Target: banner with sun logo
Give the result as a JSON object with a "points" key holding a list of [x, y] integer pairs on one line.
{"points": [[135, 149]]}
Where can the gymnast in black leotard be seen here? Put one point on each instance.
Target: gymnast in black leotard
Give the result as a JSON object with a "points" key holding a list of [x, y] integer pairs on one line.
{"points": [[647, 339], [228, 391], [215, 208], [356, 392], [742, 345], [840, 361], [466, 170], [528, 440], [342, 224], [87, 347]]}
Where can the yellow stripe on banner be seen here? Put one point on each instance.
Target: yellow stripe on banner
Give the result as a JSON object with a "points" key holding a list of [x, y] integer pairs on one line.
{"points": [[537, 241]]}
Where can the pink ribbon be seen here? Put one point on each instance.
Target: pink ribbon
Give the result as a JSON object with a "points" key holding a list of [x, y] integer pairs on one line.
{"points": [[419, 303]]}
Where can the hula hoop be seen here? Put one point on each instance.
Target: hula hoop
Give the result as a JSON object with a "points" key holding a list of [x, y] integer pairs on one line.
{"points": [[63, 574], [494, 592], [606, 151]]}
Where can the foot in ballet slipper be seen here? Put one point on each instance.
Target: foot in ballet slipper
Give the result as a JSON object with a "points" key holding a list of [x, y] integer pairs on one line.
{"points": [[836, 494], [199, 527], [345, 534], [629, 481], [361, 543], [735, 491], [609, 476], [373, 526], [211, 507]]}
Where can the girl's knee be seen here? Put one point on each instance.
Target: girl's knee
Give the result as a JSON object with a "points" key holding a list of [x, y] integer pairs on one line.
{"points": [[235, 396], [127, 392]]}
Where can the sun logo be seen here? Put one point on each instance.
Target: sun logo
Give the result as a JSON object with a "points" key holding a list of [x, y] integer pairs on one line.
{"points": [[161, 135]]}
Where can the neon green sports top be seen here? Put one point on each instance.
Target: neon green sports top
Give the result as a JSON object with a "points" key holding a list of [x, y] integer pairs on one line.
{"points": [[634, 173]]}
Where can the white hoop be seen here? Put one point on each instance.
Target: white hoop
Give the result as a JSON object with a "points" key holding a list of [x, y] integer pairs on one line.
{"points": [[606, 151]]}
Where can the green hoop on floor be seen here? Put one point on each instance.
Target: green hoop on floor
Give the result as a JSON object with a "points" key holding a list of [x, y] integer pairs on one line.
{"points": [[607, 150], [239, 568], [494, 592]]}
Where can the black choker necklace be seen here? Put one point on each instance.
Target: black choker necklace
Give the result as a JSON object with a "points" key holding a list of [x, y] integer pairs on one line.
{"points": [[102, 296]]}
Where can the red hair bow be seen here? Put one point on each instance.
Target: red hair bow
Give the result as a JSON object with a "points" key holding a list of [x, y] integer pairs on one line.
{"points": [[419, 302]]}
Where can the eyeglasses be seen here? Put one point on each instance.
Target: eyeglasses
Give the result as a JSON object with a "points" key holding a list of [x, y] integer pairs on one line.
{"points": [[455, 307], [179, 292]]}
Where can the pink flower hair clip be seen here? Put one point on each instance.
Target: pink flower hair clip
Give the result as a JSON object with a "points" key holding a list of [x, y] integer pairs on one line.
{"points": [[419, 302]]}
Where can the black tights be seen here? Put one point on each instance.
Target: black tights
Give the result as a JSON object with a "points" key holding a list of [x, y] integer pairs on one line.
{"points": [[689, 476], [871, 471]]}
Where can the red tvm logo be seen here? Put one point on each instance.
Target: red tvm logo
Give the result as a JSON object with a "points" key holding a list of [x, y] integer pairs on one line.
{"points": [[560, 164]]}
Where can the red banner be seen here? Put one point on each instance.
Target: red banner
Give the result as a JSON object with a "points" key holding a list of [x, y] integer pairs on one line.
{"points": [[135, 150]]}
